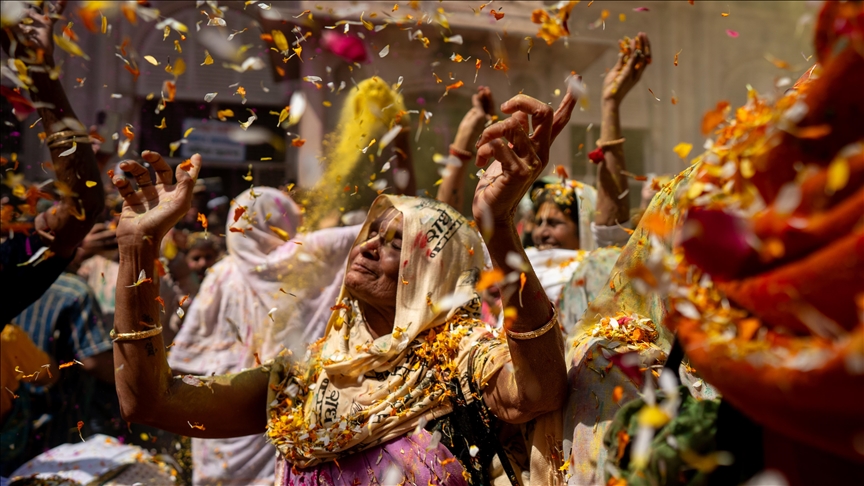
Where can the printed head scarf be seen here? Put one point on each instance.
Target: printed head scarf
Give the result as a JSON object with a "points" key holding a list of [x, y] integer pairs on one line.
{"points": [[359, 391]]}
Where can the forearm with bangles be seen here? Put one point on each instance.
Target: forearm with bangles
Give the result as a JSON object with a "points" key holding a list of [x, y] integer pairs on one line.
{"points": [[224, 406], [452, 188], [533, 336], [612, 207]]}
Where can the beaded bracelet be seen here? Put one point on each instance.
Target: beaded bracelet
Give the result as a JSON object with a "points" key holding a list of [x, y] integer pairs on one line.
{"points": [[134, 336], [524, 336]]}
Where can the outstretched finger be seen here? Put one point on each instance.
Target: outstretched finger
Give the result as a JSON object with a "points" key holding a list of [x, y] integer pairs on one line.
{"points": [[142, 177], [486, 101], [126, 191], [562, 114], [540, 113], [164, 175], [497, 130], [188, 171], [646, 46], [484, 155]]}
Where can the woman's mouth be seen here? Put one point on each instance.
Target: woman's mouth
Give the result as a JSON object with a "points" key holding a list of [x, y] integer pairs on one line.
{"points": [[359, 267]]}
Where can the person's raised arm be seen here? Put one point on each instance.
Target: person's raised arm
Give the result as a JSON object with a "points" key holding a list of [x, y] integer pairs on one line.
{"points": [[537, 381], [225, 406], [64, 226], [613, 205], [452, 188]]}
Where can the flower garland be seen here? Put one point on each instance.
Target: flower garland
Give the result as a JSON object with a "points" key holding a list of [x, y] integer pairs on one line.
{"points": [[294, 436], [633, 330]]}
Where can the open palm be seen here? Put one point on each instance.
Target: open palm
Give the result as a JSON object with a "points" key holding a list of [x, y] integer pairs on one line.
{"points": [[152, 210], [519, 162]]}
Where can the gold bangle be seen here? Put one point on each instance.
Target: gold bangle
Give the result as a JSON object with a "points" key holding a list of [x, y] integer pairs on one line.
{"points": [[65, 134], [69, 141], [134, 336], [524, 336], [610, 143]]}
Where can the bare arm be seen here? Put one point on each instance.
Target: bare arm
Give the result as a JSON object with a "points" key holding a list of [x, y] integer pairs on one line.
{"points": [[224, 406], [613, 205], [536, 382], [64, 226], [452, 188]]}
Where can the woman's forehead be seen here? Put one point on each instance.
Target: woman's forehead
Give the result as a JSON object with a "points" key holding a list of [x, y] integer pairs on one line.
{"points": [[548, 209], [390, 216]]}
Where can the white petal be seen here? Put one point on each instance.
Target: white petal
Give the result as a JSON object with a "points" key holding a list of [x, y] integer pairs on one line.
{"points": [[688, 310], [70, 151], [298, 106]]}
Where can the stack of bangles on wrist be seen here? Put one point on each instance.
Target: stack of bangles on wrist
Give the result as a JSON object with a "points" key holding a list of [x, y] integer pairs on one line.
{"points": [[66, 138], [461, 154], [134, 336], [524, 336]]}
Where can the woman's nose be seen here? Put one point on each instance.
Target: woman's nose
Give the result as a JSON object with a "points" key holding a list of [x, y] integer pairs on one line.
{"points": [[371, 247]]}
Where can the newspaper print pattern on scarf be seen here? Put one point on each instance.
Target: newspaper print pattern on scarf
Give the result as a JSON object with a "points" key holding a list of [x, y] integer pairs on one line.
{"points": [[357, 391]]}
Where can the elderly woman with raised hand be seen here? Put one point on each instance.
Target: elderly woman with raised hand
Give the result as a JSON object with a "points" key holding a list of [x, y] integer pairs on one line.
{"points": [[407, 381]]}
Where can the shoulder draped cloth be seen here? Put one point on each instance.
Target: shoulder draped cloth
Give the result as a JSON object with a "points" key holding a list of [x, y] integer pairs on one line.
{"points": [[356, 391]]}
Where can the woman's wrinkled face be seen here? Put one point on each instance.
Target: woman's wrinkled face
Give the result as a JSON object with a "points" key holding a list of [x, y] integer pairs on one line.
{"points": [[554, 229], [373, 271]]}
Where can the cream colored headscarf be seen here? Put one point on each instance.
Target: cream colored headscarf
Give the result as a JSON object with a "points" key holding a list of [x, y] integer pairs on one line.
{"points": [[358, 391]]}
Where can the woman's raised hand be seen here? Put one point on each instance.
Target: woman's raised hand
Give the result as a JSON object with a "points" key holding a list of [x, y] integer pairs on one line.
{"points": [[35, 32], [632, 61], [482, 110], [519, 162], [153, 209]]}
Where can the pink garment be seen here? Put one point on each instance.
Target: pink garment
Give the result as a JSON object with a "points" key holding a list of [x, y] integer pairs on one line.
{"points": [[409, 458]]}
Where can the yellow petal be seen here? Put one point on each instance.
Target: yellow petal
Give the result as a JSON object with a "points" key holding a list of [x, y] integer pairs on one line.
{"points": [[162, 126], [280, 233], [280, 40], [179, 68], [683, 149], [90, 183], [283, 115], [838, 175], [152, 60], [186, 134], [69, 46], [652, 416], [208, 59]]}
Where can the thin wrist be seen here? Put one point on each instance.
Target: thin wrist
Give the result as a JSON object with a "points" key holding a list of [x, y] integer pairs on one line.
{"points": [[609, 102], [139, 246]]}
